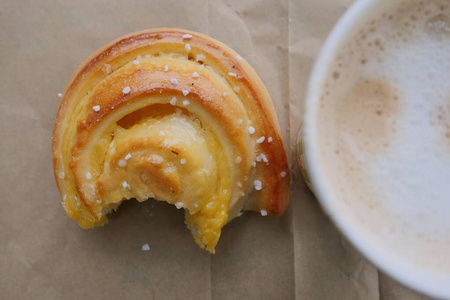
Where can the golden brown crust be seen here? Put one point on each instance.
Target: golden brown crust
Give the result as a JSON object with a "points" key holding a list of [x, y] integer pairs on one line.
{"points": [[120, 101]]}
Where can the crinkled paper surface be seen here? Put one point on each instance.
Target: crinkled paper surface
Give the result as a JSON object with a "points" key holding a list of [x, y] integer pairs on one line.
{"points": [[45, 255]]}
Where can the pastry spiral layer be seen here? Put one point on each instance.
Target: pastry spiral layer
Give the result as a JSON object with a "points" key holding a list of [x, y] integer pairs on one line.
{"points": [[172, 115]]}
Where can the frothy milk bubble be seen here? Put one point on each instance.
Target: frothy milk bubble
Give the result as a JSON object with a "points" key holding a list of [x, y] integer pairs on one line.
{"points": [[383, 128]]}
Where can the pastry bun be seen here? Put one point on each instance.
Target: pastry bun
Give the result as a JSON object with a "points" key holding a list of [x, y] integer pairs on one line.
{"points": [[172, 115]]}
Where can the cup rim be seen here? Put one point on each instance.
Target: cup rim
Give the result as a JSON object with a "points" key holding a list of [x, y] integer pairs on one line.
{"points": [[354, 16]]}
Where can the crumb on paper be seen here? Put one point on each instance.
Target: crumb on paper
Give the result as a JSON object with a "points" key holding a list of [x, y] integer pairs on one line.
{"points": [[179, 205], [145, 247], [263, 212]]}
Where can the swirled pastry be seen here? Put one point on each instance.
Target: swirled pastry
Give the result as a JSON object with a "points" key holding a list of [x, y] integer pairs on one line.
{"points": [[172, 115]]}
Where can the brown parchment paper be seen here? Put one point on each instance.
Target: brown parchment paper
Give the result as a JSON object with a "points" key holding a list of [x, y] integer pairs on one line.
{"points": [[45, 255]]}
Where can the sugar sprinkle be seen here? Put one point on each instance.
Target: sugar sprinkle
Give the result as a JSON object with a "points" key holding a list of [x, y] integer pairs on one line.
{"points": [[174, 80], [159, 160], [61, 175], [173, 101], [260, 140], [263, 212], [187, 36], [162, 133], [258, 185], [187, 47], [59, 95], [182, 161], [232, 74], [262, 157], [200, 57], [122, 163], [88, 176], [136, 62], [128, 156], [238, 159], [283, 174], [179, 205], [195, 75], [186, 102], [251, 129], [126, 90], [238, 57], [185, 92], [166, 68], [96, 107], [269, 140]]}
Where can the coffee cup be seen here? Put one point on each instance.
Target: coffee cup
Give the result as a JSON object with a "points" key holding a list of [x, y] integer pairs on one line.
{"points": [[374, 146]]}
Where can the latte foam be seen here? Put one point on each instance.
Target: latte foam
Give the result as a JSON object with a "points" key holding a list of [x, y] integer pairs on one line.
{"points": [[383, 125]]}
